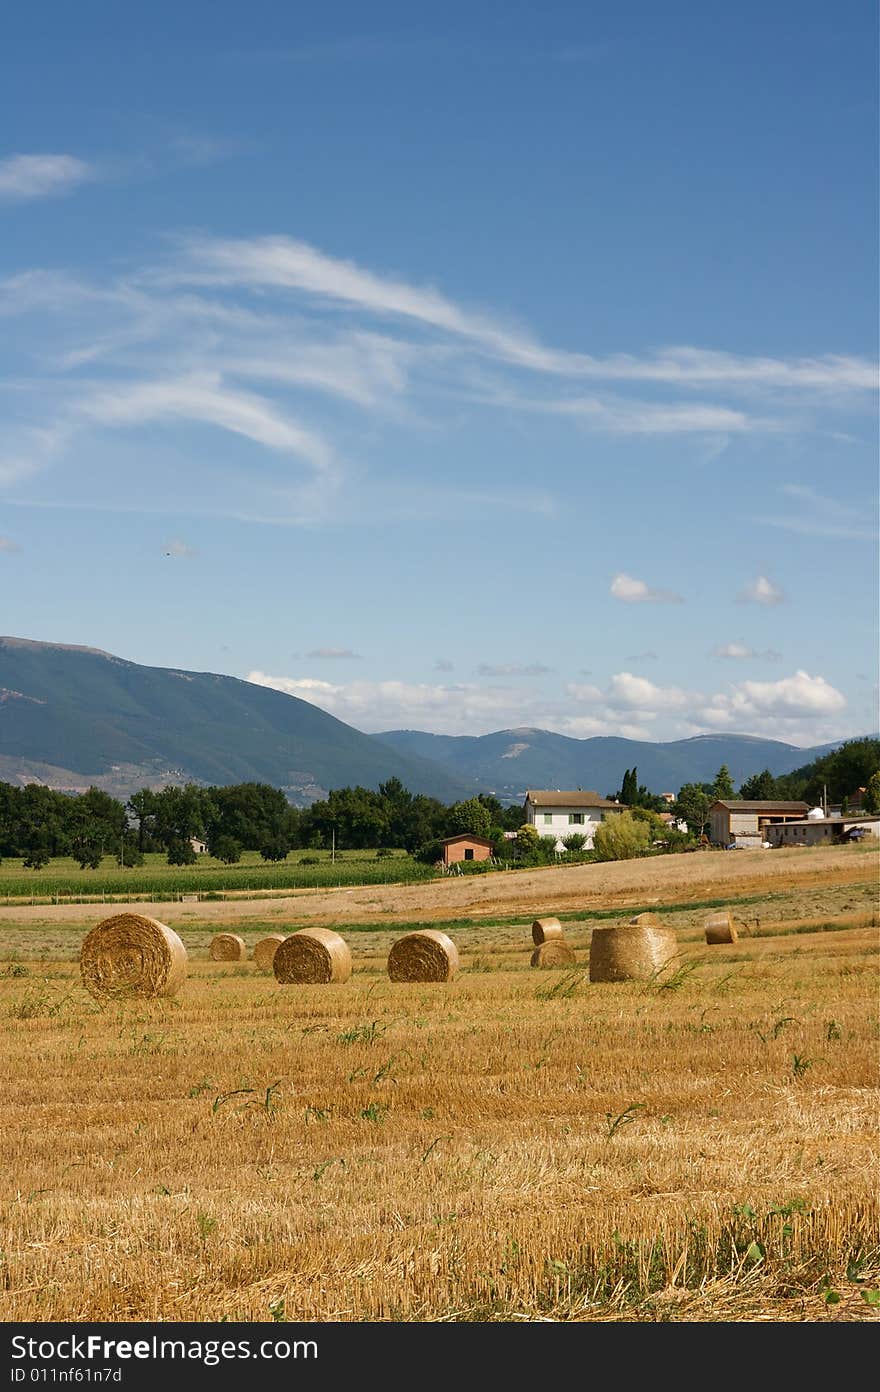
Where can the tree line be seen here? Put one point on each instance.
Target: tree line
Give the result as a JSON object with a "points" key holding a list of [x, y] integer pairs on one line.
{"points": [[39, 823], [834, 777]]}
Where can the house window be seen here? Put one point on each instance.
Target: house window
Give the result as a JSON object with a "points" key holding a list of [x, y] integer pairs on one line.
{"points": [[575, 818], [548, 818], [469, 855]]}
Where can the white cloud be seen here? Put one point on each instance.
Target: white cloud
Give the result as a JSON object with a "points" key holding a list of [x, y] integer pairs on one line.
{"points": [[204, 398], [633, 591], [628, 691], [742, 651], [25, 177], [799, 708], [8, 546], [252, 336], [297, 266], [761, 590], [179, 548], [734, 650], [622, 416], [384, 705]]}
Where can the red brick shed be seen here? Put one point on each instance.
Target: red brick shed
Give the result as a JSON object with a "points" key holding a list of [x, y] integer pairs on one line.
{"points": [[465, 846]]}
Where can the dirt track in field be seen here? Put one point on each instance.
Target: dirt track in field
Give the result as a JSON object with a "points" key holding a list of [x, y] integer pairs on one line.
{"points": [[624, 884]]}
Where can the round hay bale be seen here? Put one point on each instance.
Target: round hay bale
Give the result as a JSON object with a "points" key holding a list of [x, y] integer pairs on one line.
{"points": [[555, 953], [649, 919], [631, 953], [312, 957], [130, 955], [228, 947], [545, 929], [719, 928], [427, 955], [264, 952]]}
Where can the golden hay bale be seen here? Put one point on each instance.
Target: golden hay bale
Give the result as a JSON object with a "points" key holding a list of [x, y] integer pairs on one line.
{"points": [[649, 919], [631, 953], [427, 955], [719, 928], [545, 929], [312, 957], [555, 953], [264, 952], [228, 947], [130, 955]]}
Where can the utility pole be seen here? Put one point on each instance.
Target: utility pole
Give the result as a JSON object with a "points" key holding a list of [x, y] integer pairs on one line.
{"points": [[333, 847], [825, 798]]}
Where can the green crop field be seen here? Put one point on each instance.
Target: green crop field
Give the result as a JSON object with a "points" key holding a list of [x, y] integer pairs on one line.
{"points": [[156, 879]]}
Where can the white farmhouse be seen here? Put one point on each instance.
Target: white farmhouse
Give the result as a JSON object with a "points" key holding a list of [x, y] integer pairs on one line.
{"points": [[555, 813]]}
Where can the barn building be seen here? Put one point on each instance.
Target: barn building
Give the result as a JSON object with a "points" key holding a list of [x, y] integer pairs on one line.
{"points": [[745, 824], [465, 846]]}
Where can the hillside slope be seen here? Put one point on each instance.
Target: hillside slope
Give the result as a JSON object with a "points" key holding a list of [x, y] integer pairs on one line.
{"points": [[71, 716], [510, 761]]}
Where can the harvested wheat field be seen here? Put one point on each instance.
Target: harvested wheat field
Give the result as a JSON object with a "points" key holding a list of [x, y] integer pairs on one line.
{"points": [[513, 1144]]}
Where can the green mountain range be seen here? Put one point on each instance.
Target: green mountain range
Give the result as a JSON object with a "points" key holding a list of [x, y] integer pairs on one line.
{"points": [[508, 762], [74, 716]]}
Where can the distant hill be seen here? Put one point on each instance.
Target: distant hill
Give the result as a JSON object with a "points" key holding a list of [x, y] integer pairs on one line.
{"points": [[73, 716], [510, 761]]}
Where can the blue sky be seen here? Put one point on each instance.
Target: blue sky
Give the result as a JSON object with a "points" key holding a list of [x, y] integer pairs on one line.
{"points": [[454, 367]]}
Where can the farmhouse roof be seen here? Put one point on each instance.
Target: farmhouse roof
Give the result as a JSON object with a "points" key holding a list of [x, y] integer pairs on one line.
{"points": [[832, 821], [580, 797], [466, 836], [761, 805]]}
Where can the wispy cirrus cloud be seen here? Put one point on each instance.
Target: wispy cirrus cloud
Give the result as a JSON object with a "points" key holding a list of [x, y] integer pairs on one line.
{"points": [[27, 177], [294, 265], [203, 398], [325, 362], [633, 591], [813, 514]]}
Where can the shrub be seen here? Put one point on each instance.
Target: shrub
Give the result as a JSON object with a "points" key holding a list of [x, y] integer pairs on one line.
{"points": [[130, 855], [429, 853], [37, 857], [227, 849], [180, 852], [527, 839], [276, 849], [575, 842], [622, 837]]}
